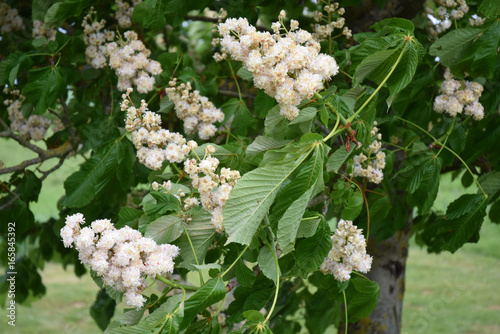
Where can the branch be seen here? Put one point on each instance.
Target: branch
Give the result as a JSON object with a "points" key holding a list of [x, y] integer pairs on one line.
{"points": [[60, 151], [322, 127], [53, 169], [8, 133]]}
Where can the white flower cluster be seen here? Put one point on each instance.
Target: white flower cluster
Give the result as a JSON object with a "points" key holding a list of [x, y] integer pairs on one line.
{"points": [[458, 96], [121, 257], [348, 252], [95, 38], [124, 12], [456, 13], [197, 112], [323, 31], [154, 145], [287, 66], [9, 19], [371, 166], [40, 30], [131, 62], [214, 188], [129, 58], [34, 127]]}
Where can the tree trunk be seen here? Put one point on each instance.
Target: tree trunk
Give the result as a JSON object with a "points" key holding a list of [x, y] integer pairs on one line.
{"points": [[388, 270]]}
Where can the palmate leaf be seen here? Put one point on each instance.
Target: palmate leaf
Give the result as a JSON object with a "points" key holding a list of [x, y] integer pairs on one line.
{"points": [[377, 66], [202, 232], [252, 197]]}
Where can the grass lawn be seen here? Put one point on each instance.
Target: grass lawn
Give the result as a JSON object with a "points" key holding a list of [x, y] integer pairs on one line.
{"points": [[447, 293]]}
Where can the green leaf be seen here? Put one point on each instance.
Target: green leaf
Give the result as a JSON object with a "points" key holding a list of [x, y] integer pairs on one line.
{"points": [[30, 187], [289, 223], [60, 11], [262, 144], [212, 292], [242, 120], [354, 206], [244, 74], [455, 45], [165, 229], [103, 309], [88, 183], [39, 8], [153, 320], [220, 152], [309, 176], [45, 85], [202, 232], [263, 103], [311, 252], [305, 115], [394, 22], [244, 275], [495, 213], [363, 298], [160, 204], [128, 216], [252, 197], [428, 189], [378, 64], [275, 124], [486, 53], [207, 266], [267, 264], [337, 159], [151, 14], [462, 221], [489, 8], [173, 321], [308, 226], [254, 316], [490, 183]]}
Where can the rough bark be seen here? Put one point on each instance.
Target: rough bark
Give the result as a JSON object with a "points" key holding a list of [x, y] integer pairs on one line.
{"points": [[388, 270]]}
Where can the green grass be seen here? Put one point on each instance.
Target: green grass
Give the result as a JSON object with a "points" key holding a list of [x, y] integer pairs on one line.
{"points": [[446, 293]]}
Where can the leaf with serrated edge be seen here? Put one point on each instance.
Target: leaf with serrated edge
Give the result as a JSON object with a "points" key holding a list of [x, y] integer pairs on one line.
{"points": [[267, 264], [252, 197], [165, 229]]}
